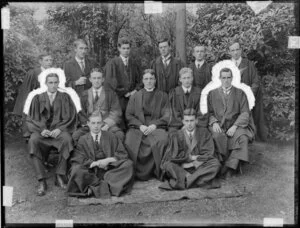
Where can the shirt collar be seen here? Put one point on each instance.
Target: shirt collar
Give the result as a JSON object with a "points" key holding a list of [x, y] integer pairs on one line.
{"points": [[42, 68], [199, 62], [189, 132], [149, 90], [49, 94], [166, 58], [123, 58], [94, 136], [227, 90], [97, 90], [238, 61], [186, 89], [79, 60]]}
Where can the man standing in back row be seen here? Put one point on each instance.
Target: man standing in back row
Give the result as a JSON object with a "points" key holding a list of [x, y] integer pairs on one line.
{"points": [[166, 67], [250, 77]]}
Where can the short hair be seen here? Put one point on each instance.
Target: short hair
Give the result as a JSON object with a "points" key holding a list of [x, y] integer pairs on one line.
{"points": [[232, 42], [44, 54], [79, 41], [189, 112], [149, 71], [124, 41], [185, 70], [200, 45], [99, 70], [51, 75], [225, 70], [96, 113], [164, 39]]}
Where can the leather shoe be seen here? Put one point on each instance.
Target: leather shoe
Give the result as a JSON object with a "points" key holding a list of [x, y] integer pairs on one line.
{"points": [[41, 190], [59, 181]]}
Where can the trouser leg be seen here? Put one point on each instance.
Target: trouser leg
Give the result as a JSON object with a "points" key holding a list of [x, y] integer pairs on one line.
{"points": [[39, 167]]}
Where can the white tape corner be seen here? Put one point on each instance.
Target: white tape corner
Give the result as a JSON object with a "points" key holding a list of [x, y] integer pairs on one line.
{"points": [[153, 7], [294, 42], [273, 222], [8, 196], [5, 18], [63, 223]]}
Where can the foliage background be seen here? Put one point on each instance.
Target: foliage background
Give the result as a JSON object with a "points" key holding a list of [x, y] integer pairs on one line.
{"points": [[264, 37]]}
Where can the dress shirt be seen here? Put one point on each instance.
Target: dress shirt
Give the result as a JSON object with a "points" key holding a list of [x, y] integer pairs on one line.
{"points": [[97, 91], [237, 62], [149, 90], [94, 136], [227, 91], [42, 68], [186, 90], [81, 63], [190, 134], [199, 63], [51, 95], [166, 60], [125, 60]]}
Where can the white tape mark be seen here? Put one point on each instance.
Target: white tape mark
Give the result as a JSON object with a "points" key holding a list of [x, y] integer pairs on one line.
{"points": [[152, 7], [273, 222], [294, 42], [258, 6], [5, 18], [7, 196], [63, 223]]}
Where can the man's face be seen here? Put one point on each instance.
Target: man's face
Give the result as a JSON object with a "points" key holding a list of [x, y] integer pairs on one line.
{"points": [[52, 84], [46, 62], [186, 80], [189, 122], [95, 123], [81, 50], [226, 79], [199, 53], [235, 51], [96, 79], [164, 48], [149, 81], [124, 50]]}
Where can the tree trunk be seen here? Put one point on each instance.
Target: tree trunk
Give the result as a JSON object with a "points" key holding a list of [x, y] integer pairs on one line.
{"points": [[181, 31]]}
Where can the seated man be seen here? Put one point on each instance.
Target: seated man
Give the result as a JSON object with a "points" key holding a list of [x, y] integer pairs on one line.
{"points": [[184, 97], [148, 115], [189, 159], [100, 166], [102, 99], [230, 122], [51, 117]]}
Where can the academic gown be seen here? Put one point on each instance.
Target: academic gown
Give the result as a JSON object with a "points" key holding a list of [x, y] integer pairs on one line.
{"points": [[180, 101], [228, 110], [123, 79], [39, 118], [73, 72], [109, 106], [167, 78], [177, 154], [146, 151], [117, 179], [250, 77], [201, 76]]}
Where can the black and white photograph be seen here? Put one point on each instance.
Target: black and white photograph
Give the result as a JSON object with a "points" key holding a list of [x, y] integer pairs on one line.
{"points": [[150, 113]]}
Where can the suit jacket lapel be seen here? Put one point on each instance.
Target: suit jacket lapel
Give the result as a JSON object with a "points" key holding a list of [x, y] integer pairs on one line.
{"points": [[139, 106], [181, 97], [243, 66], [90, 144]]}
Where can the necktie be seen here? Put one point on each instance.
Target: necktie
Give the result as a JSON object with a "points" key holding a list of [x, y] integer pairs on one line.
{"points": [[236, 63], [82, 65], [51, 98], [191, 137], [96, 142], [96, 96], [165, 61], [198, 65], [126, 62]]}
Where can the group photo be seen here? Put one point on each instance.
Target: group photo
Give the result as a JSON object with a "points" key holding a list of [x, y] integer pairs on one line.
{"points": [[150, 113]]}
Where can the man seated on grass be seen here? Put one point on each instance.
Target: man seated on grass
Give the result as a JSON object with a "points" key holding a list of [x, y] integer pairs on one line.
{"points": [[189, 159], [100, 164], [102, 99]]}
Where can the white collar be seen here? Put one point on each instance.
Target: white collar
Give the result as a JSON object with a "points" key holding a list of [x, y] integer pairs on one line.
{"points": [[79, 60], [49, 94], [199, 62], [167, 58], [124, 58], [94, 136], [190, 132], [185, 90], [228, 89], [42, 68], [149, 90], [238, 61], [97, 90]]}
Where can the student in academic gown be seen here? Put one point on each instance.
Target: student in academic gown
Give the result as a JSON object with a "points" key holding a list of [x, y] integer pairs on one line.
{"points": [[30, 83], [166, 67], [102, 99], [100, 164], [148, 115], [189, 160], [250, 77]]}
